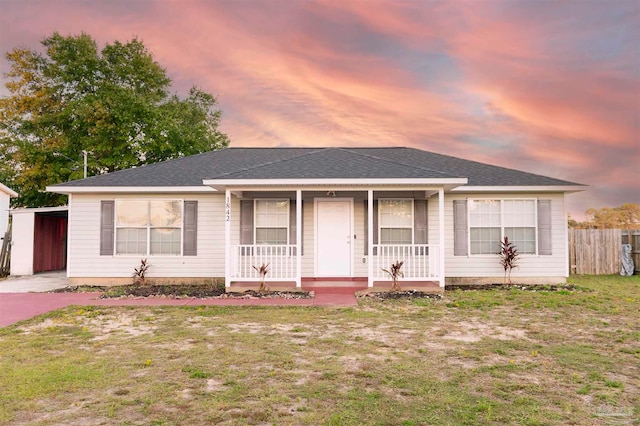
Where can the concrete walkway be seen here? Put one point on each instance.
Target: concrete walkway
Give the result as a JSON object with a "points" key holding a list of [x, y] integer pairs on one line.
{"points": [[16, 307], [45, 281]]}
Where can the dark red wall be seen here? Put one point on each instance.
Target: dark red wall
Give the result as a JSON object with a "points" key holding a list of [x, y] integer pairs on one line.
{"points": [[50, 243]]}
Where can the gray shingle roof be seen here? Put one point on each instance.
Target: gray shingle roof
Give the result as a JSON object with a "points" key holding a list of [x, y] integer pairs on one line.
{"points": [[314, 163]]}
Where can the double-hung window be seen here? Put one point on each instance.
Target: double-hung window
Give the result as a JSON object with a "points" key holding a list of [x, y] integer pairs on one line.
{"points": [[272, 222], [395, 218], [491, 220], [152, 227]]}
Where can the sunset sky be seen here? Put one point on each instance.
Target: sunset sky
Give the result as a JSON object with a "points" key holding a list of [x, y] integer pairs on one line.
{"points": [[549, 87]]}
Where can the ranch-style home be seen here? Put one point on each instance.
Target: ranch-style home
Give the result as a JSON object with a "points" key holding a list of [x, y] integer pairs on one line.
{"points": [[314, 215]]}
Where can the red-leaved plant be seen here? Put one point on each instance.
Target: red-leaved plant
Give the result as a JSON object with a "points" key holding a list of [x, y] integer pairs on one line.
{"points": [[140, 273], [262, 270], [508, 257], [395, 273]]}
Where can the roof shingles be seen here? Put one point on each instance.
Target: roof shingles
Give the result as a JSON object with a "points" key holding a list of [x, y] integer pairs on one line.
{"points": [[314, 163]]}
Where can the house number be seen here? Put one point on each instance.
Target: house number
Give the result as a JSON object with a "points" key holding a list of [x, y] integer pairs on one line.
{"points": [[227, 209]]}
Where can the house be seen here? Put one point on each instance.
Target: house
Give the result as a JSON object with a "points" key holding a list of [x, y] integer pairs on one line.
{"points": [[316, 214], [6, 194]]}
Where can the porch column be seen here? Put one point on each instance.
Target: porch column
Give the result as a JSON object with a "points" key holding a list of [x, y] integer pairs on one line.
{"points": [[370, 237], [298, 238], [227, 238], [441, 232]]}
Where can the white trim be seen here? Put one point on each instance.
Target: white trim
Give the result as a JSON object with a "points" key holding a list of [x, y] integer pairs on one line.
{"points": [[369, 219], [69, 225], [299, 238], [315, 230], [567, 270], [128, 189], [38, 210], [546, 188], [337, 182], [8, 191], [227, 239], [441, 279]]}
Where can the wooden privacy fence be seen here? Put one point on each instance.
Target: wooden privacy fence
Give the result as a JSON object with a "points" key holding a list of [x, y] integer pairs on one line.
{"points": [[599, 251]]}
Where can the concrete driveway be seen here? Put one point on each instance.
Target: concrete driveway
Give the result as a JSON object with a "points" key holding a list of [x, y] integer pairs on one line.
{"points": [[42, 282]]}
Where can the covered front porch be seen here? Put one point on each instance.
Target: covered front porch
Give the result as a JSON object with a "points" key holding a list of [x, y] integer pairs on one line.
{"points": [[341, 236]]}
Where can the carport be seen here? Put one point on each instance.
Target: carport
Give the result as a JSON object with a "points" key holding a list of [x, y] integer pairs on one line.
{"points": [[39, 240]]}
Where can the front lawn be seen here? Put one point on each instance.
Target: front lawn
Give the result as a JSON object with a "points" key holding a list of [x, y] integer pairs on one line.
{"points": [[474, 357]]}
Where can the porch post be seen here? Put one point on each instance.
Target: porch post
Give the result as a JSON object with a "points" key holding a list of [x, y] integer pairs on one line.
{"points": [[298, 238], [227, 238], [441, 231], [370, 237]]}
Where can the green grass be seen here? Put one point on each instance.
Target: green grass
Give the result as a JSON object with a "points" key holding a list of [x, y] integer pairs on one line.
{"points": [[474, 358]]}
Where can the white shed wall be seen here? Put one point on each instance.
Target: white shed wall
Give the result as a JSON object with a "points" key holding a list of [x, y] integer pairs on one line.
{"points": [[4, 212], [22, 243]]}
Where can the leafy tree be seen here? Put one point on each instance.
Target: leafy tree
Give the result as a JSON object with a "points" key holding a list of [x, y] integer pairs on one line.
{"points": [[626, 216], [114, 103]]}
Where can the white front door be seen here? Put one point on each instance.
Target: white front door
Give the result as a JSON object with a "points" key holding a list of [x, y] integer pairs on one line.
{"points": [[333, 238]]}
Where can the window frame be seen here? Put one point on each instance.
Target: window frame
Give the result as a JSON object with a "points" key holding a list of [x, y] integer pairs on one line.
{"points": [[148, 227], [502, 224], [379, 230], [255, 221]]}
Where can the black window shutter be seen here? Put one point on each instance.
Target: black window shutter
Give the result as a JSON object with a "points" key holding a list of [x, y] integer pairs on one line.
{"points": [[460, 229], [246, 221], [544, 227], [190, 243], [107, 227]]}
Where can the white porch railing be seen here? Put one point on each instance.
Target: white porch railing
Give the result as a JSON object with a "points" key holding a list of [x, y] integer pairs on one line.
{"points": [[421, 261], [281, 259]]}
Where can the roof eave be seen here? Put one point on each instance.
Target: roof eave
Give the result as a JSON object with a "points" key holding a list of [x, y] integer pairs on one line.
{"points": [[522, 188], [8, 191], [128, 189]]}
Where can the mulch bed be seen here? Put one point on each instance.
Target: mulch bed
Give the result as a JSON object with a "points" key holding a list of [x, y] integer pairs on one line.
{"points": [[525, 287], [181, 291], [403, 294]]}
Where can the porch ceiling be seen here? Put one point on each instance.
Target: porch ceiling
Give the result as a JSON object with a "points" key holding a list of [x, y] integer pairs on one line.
{"points": [[432, 185]]}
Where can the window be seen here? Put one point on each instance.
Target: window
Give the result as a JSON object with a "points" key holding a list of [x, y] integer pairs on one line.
{"points": [[395, 218], [490, 220], [272, 222], [149, 227]]}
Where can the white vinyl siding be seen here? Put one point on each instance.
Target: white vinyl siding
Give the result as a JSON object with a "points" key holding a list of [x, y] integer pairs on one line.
{"points": [[554, 265], [84, 258]]}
